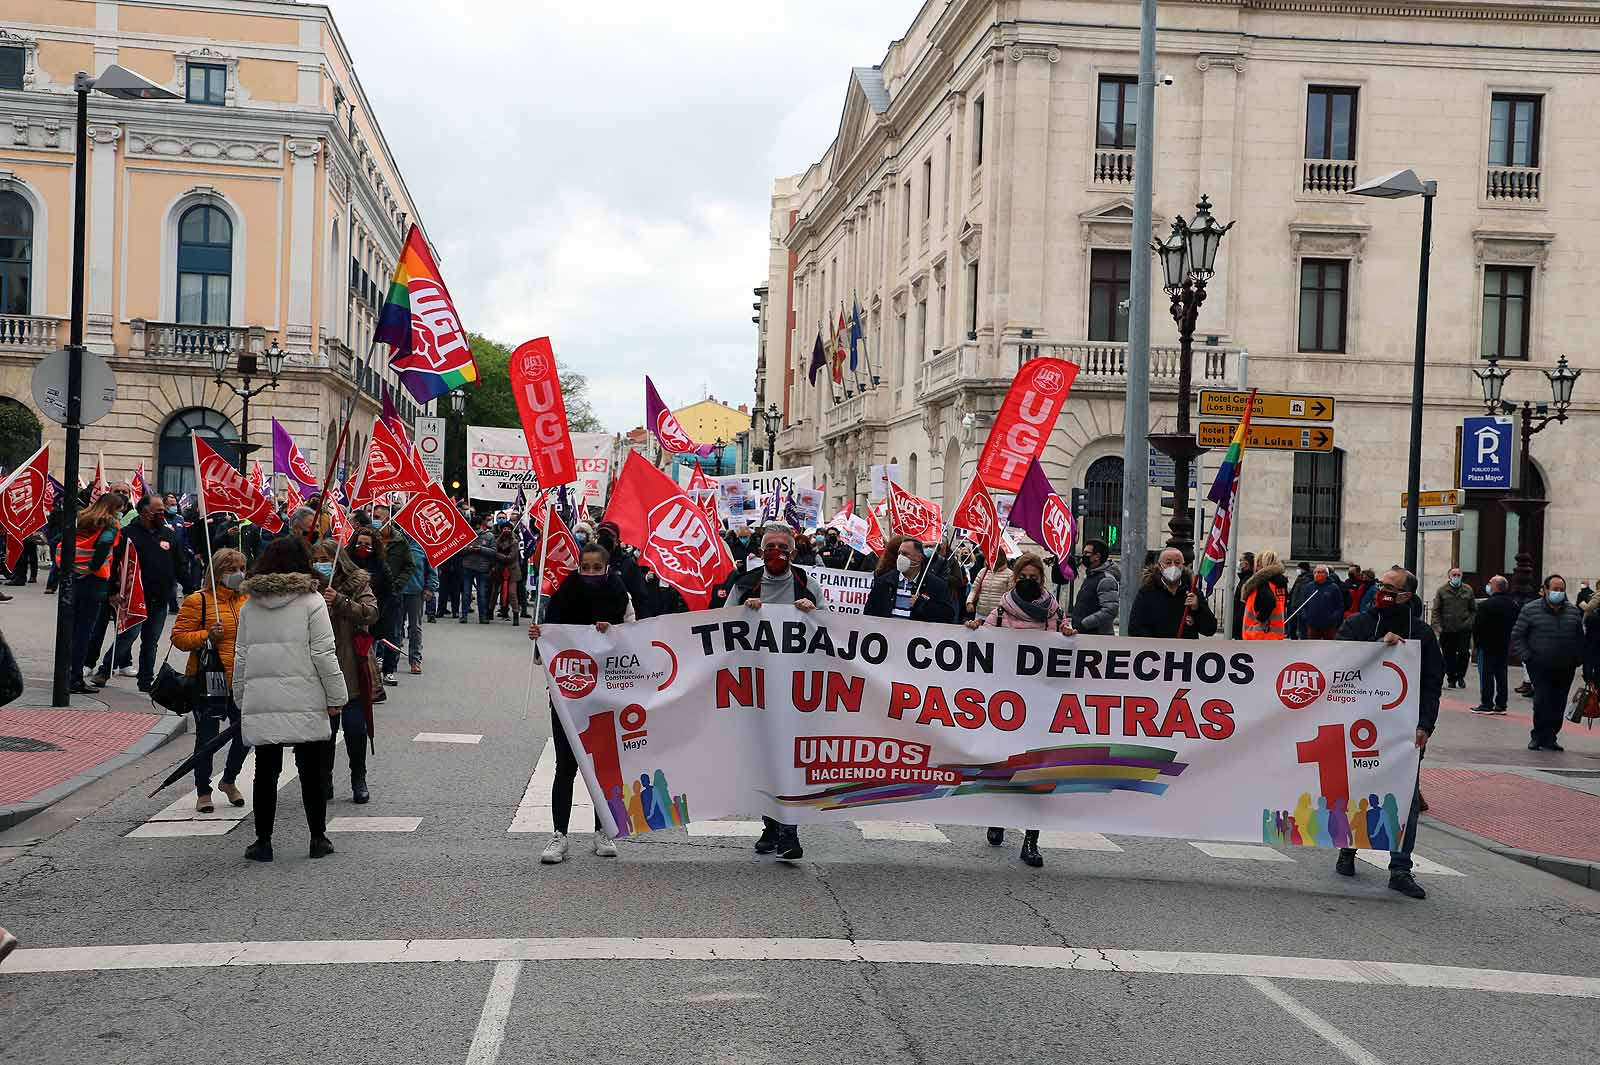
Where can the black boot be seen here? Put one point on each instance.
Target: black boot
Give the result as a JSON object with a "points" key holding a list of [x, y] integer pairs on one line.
{"points": [[1345, 865], [789, 849], [321, 846], [1030, 849], [1407, 885], [259, 851], [357, 746], [769, 836], [997, 836]]}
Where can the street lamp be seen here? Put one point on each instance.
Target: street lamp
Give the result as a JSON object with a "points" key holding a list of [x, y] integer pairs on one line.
{"points": [[119, 84], [458, 407], [1188, 262], [719, 444], [1524, 505], [772, 417], [1398, 185], [248, 367]]}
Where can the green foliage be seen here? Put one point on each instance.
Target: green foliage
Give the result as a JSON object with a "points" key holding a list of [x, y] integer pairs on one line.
{"points": [[19, 434]]}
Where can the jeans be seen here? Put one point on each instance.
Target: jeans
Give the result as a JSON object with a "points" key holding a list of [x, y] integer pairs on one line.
{"points": [[149, 632], [411, 615], [353, 719], [1456, 647], [315, 762], [1400, 860], [1493, 688], [97, 636], [205, 730], [482, 584], [1550, 690], [89, 595], [566, 773]]}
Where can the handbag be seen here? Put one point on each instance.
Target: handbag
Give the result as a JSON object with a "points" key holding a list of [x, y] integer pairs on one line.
{"points": [[170, 689], [1585, 705]]}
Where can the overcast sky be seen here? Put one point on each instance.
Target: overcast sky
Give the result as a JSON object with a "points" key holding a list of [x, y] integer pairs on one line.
{"points": [[602, 173]]}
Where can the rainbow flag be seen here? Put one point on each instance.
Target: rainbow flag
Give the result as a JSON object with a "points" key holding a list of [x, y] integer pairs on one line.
{"points": [[1225, 493], [418, 321]]}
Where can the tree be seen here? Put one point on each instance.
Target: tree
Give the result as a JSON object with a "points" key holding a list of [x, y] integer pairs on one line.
{"points": [[20, 433]]}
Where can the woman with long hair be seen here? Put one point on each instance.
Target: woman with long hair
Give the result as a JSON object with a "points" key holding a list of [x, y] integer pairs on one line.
{"points": [[98, 535], [211, 620], [288, 684], [1265, 597]]}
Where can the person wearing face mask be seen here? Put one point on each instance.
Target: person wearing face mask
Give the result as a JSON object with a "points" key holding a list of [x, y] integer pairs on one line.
{"points": [[366, 551], [835, 553], [1094, 611], [1265, 597], [741, 544], [477, 564], [353, 609], [902, 590], [623, 564], [990, 586], [1491, 632], [156, 552], [98, 535], [593, 595], [207, 620], [1247, 569], [1548, 637], [1168, 606], [1393, 620], [1454, 606], [1322, 611]]}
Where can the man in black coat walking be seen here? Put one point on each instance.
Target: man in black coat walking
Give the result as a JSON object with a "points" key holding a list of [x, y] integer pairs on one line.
{"points": [[1491, 631], [1548, 637]]}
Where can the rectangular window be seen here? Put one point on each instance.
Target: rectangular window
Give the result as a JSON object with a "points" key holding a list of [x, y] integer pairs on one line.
{"points": [[922, 331], [1514, 130], [905, 353], [1318, 507], [1324, 296], [1507, 301], [1109, 274], [207, 84], [927, 188], [977, 132], [12, 62], [905, 234], [1330, 123], [944, 189], [1117, 125], [972, 300]]}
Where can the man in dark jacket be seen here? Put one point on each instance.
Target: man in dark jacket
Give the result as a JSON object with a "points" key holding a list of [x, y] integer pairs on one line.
{"points": [[156, 549], [1247, 569], [623, 564], [1094, 611], [1393, 621], [477, 563], [1167, 606], [741, 544], [905, 591], [1548, 637], [1295, 625], [835, 552], [659, 597], [1491, 631], [1323, 610]]}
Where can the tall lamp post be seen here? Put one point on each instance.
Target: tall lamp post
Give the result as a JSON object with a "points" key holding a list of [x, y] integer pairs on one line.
{"points": [[1536, 417], [1395, 186], [719, 444], [458, 407], [1188, 261], [119, 84], [771, 418], [248, 368]]}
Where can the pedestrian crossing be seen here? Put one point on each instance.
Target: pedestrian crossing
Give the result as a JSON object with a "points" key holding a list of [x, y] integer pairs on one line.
{"points": [[180, 819]]}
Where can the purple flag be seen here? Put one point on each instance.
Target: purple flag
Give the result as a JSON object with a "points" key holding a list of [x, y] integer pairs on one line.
{"points": [[287, 460], [1044, 516], [389, 413], [664, 425]]}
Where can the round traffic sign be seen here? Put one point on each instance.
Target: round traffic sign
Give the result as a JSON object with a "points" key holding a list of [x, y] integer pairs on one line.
{"points": [[98, 392]]}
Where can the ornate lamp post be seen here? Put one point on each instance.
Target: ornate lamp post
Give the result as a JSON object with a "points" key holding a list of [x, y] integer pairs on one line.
{"points": [[1536, 417], [458, 407], [1188, 261], [719, 444], [248, 368], [771, 418]]}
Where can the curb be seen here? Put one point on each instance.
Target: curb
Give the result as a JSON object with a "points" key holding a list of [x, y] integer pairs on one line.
{"points": [[1580, 872], [165, 728]]}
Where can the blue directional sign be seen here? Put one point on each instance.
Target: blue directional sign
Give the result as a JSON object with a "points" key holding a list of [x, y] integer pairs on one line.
{"points": [[1486, 453]]}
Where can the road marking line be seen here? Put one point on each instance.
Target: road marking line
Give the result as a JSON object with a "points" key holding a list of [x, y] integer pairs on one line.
{"points": [[1314, 1021], [724, 828], [447, 737], [374, 824], [201, 826], [533, 812], [491, 1033], [999, 955], [1380, 860], [165, 823], [902, 831], [1078, 841], [1241, 850]]}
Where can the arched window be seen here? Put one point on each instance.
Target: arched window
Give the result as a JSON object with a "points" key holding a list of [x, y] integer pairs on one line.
{"points": [[911, 474], [175, 454], [1102, 504], [205, 266], [16, 254], [952, 476]]}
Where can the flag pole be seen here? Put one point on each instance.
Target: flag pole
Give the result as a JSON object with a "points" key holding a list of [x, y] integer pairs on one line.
{"points": [[544, 547], [205, 516]]}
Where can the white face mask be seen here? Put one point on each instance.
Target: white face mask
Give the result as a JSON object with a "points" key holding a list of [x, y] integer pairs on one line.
{"points": [[903, 564], [233, 581], [1172, 573]]}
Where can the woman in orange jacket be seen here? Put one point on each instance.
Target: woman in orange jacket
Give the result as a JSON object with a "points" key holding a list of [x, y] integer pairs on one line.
{"points": [[202, 620]]}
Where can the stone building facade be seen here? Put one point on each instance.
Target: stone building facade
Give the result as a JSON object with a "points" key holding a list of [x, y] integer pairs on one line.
{"points": [[264, 207], [977, 203]]}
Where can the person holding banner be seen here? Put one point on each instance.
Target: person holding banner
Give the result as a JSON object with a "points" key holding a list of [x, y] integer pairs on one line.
{"points": [[155, 551], [592, 595], [902, 589]]}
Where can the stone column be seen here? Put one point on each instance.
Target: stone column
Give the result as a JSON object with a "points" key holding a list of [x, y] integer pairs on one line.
{"points": [[302, 243], [100, 311]]}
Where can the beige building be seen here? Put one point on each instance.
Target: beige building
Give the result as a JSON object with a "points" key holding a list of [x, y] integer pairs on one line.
{"points": [[977, 201], [263, 208]]}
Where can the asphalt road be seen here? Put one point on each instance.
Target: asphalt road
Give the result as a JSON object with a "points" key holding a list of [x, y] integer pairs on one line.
{"points": [[450, 943]]}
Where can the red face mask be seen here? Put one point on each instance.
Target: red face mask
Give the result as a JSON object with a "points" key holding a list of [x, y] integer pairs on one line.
{"points": [[776, 556], [1320, 578]]}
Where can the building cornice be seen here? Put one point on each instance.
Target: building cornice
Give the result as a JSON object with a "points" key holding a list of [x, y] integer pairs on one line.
{"points": [[1466, 10]]}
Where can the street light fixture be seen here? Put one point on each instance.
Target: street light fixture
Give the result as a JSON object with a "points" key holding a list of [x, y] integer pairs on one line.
{"points": [[1398, 185], [458, 407], [718, 444], [1188, 261], [119, 84], [1524, 504], [248, 367], [771, 418]]}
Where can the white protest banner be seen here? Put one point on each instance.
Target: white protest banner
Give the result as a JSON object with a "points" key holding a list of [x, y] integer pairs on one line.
{"points": [[854, 534], [880, 477], [808, 507], [825, 717], [843, 591], [498, 465]]}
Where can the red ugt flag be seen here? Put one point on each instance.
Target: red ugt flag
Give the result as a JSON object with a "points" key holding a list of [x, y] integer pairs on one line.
{"points": [[223, 488], [24, 503], [675, 537], [391, 464], [976, 514], [536, 384], [1021, 429], [914, 516], [560, 551], [132, 607], [434, 522]]}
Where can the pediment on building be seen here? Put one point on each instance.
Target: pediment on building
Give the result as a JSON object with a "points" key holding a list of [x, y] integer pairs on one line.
{"points": [[864, 100], [1108, 225], [1515, 247], [1337, 240], [971, 241]]}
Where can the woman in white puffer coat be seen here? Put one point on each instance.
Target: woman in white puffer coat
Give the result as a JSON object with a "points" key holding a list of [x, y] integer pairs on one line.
{"points": [[287, 682]]}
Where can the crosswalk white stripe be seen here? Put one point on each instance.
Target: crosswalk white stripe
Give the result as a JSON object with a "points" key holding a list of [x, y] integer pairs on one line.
{"points": [[902, 831], [374, 824], [181, 819], [1241, 850], [1078, 841], [447, 737], [715, 829], [1419, 864], [533, 812]]}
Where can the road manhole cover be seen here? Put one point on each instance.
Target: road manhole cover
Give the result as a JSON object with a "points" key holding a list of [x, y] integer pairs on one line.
{"points": [[26, 745]]}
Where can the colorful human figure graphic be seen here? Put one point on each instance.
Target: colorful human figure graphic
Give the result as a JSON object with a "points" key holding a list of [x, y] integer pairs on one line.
{"points": [[1339, 825], [1359, 838], [652, 812], [1319, 823], [664, 800], [1377, 827], [1269, 828], [1304, 821], [619, 809], [636, 810], [680, 806], [1391, 818]]}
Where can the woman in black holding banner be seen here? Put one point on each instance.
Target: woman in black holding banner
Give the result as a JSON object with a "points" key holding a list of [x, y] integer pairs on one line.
{"points": [[593, 595]]}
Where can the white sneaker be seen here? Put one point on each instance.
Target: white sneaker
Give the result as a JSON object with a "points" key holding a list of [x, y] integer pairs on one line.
{"points": [[555, 852], [128, 671], [603, 847]]}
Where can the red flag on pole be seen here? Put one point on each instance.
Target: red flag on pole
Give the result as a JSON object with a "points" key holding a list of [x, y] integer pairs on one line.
{"points": [[140, 487], [674, 536], [976, 514], [223, 488], [391, 466], [874, 532], [292, 500], [132, 607], [25, 503], [698, 478], [1021, 429], [560, 552], [339, 523], [259, 478], [536, 384], [434, 522], [914, 516], [97, 487]]}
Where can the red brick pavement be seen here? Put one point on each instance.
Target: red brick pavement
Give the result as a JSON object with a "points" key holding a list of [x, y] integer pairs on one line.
{"points": [[1516, 811], [85, 740]]}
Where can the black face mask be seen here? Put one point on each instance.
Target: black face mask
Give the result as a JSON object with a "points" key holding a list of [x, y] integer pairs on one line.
{"points": [[1028, 590]]}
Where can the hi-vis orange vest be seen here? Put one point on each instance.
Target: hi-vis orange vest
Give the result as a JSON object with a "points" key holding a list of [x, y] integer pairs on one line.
{"points": [[84, 554], [1270, 629]]}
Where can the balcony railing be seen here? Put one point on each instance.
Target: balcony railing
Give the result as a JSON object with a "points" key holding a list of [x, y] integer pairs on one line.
{"points": [[1327, 177], [1113, 166], [1104, 365], [337, 355], [172, 340], [945, 368], [30, 333], [1513, 184]]}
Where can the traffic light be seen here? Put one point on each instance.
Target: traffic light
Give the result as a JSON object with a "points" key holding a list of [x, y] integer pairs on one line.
{"points": [[1080, 498], [1111, 536]]}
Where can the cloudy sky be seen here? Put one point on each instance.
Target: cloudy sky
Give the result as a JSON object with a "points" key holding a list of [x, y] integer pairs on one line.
{"points": [[601, 173]]}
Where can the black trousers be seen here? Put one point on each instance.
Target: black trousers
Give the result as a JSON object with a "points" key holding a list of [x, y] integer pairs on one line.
{"points": [[1457, 648], [1494, 691], [315, 764], [1550, 690], [566, 773]]}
